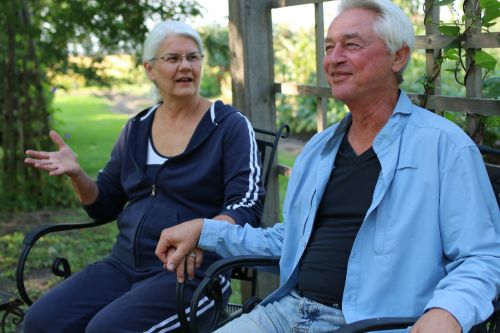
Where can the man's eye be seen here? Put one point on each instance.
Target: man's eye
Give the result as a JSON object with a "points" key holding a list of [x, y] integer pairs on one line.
{"points": [[352, 45], [328, 49]]}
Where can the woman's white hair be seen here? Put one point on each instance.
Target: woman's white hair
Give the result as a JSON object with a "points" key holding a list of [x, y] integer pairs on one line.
{"points": [[392, 25], [164, 30], [160, 33]]}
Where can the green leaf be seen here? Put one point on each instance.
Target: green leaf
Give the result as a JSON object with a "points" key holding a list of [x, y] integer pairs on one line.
{"points": [[488, 3], [485, 60], [491, 13], [491, 88], [445, 2], [449, 30], [451, 54]]}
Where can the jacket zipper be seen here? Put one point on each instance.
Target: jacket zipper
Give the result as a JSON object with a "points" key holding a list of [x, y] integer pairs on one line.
{"points": [[137, 234]]}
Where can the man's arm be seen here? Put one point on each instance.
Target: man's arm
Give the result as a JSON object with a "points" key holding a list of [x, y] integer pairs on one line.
{"points": [[469, 223], [223, 238], [436, 321]]}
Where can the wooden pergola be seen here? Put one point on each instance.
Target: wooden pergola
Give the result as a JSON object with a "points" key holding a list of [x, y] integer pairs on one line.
{"points": [[254, 88]]}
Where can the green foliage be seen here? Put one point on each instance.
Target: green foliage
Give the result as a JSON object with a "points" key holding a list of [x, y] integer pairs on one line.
{"points": [[485, 60], [216, 71], [295, 62], [97, 28], [462, 25], [491, 87]]}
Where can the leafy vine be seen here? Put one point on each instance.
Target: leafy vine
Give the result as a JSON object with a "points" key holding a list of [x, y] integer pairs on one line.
{"points": [[484, 15]]}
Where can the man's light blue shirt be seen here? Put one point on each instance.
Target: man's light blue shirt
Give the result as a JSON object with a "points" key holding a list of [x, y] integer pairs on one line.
{"points": [[431, 237]]}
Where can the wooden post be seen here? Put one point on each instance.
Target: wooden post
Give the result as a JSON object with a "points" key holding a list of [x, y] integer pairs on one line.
{"points": [[473, 78], [322, 102], [432, 55], [252, 75]]}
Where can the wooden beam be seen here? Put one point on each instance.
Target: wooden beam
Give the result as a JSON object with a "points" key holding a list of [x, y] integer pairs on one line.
{"points": [[473, 41], [252, 61], [294, 89], [319, 30], [484, 106], [289, 3], [284, 170], [474, 77], [432, 56]]}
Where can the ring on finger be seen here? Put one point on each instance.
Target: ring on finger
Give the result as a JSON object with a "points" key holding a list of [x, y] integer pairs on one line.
{"points": [[192, 254]]}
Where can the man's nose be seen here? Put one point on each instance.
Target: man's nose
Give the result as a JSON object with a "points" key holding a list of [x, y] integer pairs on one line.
{"points": [[335, 55]]}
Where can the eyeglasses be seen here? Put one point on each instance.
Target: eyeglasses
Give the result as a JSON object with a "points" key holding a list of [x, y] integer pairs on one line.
{"points": [[174, 59]]}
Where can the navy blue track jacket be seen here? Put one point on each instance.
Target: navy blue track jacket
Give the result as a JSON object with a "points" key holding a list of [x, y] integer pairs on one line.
{"points": [[218, 173]]}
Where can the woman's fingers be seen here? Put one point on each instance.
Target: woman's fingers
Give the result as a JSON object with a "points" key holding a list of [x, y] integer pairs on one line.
{"points": [[57, 139], [37, 155]]}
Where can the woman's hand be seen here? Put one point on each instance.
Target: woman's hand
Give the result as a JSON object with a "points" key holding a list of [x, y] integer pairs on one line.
{"points": [[56, 163]]}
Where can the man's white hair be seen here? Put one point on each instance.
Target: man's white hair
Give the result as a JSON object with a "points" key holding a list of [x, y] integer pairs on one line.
{"points": [[392, 25]]}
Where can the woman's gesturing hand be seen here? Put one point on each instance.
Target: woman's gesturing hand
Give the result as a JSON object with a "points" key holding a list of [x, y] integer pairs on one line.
{"points": [[62, 161]]}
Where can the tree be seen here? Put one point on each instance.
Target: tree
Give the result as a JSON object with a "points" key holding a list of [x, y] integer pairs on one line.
{"points": [[39, 37]]}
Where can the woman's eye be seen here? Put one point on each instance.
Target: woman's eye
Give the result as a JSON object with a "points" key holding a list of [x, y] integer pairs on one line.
{"points": [[172, 59]]}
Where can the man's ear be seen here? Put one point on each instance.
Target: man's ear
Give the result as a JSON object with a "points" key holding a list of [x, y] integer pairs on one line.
{"points": [[401, 57]]}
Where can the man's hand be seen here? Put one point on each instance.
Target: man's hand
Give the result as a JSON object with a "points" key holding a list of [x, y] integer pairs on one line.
{"points": [[175, 246], [437, 321]]}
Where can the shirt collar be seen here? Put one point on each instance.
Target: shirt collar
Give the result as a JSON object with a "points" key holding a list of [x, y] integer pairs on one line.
{"points": [[391, 130]]}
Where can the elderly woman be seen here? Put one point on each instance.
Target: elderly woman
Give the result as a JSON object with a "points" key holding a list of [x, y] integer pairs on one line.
{"points": [[180, 159]]}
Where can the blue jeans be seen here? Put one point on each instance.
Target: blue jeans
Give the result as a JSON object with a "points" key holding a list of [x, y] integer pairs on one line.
{"points": [[292, 313]]}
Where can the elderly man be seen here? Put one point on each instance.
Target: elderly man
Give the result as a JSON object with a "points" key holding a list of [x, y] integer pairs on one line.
{"points": [[387, 213]]}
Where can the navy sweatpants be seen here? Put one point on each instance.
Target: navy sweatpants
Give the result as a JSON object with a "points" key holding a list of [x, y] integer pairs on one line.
{"points": [[109, 297]]}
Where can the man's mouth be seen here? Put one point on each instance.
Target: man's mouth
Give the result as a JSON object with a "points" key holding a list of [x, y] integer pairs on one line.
{"points": [[338, 76]]}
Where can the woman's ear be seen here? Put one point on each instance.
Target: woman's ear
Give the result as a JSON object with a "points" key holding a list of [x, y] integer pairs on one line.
{"points": [[148, 67], [400, 58]]}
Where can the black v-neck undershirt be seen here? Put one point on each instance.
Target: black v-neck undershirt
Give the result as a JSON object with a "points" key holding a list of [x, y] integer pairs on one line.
{"points": [[347, 197]]}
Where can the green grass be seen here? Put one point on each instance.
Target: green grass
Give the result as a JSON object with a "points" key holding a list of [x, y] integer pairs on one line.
{"points": [[287, 159], [88, 127]]}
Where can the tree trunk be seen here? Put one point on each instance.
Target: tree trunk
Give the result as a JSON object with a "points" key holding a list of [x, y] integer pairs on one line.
{"points": [[24, 116]]}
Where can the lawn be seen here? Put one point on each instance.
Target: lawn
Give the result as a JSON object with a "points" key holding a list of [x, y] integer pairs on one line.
{"points": [[88, 126]]}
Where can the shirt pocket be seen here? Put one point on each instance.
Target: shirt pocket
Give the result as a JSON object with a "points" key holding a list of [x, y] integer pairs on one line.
{"points": [[394, 209]]}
